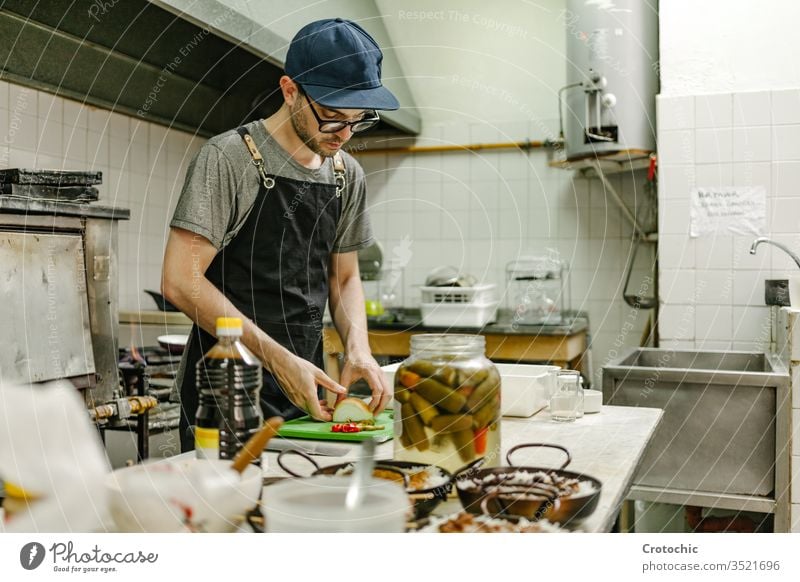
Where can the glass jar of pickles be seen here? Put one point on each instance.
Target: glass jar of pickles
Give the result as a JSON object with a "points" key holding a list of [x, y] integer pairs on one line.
{"points": [[447, 396]]}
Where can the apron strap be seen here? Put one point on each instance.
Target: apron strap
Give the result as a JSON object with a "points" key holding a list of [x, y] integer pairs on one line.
{"points": [[258, 159], [339, 173]]}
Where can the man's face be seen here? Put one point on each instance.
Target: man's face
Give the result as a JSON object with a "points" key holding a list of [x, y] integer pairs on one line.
{"points": [[306, 125]]}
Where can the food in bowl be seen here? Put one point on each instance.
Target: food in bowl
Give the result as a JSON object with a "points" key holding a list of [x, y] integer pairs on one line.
{"points": [[559, 485], [468, 523], [556, 495]]}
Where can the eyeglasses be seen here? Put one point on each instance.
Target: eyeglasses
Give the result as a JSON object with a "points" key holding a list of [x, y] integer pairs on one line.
{"points": [[332, 126]]}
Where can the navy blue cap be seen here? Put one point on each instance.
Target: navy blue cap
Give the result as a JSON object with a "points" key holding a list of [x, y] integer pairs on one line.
{"points": [[338, 65]]}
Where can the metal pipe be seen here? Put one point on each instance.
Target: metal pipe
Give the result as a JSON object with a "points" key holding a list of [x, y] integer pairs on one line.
{"points": [[637, 229], [784, 248], [518, 145]]}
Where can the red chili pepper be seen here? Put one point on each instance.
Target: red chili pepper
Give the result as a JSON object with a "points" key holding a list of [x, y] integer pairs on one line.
{"points": [[480, 440], [346, 427]]}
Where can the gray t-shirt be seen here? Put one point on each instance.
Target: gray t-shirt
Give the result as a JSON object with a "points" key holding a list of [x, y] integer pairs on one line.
{"points": [[222, 184]]}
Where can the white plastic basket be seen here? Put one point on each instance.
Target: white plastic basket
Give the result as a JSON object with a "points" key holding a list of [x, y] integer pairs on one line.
{"points": [[483, 294], [458, 314]]}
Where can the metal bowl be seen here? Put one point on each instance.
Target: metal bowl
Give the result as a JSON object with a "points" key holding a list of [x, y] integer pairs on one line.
{"points": [[500, 491]]}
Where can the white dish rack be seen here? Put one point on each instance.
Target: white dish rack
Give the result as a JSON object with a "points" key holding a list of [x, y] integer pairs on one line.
{"points": [[459, 306]]}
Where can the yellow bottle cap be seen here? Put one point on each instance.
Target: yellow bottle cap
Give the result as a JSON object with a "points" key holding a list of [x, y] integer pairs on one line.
{"points": [[229, 322], [229, 327]]}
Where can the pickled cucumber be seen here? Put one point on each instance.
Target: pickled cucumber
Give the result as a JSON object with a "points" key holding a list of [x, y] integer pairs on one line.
{"points": [[441, 396], [484, 392], [413, 427], [464, 444], [427, 411], [445, 374], [445, 423]]}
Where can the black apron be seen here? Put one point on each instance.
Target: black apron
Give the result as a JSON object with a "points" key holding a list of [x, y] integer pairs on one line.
{"points": [[275, 271]]}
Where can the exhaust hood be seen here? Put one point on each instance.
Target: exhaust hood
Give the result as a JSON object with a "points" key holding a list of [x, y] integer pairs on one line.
{"points": [[203, 66]]}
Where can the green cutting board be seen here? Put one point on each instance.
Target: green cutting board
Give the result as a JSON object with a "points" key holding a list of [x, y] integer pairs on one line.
{"points": [[307, 428]]}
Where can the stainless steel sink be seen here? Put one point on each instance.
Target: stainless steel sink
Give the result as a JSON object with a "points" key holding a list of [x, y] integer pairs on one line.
{"points": [[723, 411], [723, 361]]}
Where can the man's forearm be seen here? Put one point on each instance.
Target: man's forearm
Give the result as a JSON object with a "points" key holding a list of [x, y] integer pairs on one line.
{"points": [[203, 303], [349, 315]]}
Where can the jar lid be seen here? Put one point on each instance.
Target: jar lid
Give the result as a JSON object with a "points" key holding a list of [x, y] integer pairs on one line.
{"points": [[447, 343]]}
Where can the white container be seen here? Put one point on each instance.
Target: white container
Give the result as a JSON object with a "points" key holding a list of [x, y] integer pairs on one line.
{"points": [[525, 389], [182, 495], [458, 314], [482, 294], [317, 504], [592, 401]]}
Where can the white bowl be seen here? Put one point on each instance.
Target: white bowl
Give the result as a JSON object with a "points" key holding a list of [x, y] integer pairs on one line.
{"points": [[317, 505], [184, 495]]}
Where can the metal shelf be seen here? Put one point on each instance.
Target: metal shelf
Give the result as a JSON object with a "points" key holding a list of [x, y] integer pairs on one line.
{"points": [[616, 163], [703, 499]]}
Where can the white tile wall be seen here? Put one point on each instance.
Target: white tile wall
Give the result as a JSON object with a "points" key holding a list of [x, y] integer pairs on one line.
{"points": [[741, 139], [143, 167], [493, 207]]}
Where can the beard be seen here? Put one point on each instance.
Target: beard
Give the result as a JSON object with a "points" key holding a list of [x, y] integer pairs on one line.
{"points": [[300, 126]]}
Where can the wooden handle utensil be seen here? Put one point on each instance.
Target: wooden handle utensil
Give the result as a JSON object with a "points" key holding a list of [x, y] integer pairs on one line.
{"points": [[255, 445]]}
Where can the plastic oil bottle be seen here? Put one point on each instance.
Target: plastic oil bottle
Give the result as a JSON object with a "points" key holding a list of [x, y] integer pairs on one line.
{"points": [[228, 383]]}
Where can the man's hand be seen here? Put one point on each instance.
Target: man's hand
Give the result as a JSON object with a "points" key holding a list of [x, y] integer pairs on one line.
{"points": [[365, 367], [299, 379]]}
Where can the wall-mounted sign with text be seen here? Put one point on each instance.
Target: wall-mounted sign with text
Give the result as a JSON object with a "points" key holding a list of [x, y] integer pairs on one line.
{"points": [[728, 210]]}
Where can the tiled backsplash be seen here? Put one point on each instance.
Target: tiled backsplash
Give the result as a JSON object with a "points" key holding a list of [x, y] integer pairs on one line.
{"points": [[475, 210], [480, 210], [143, 167], [712, 288]]}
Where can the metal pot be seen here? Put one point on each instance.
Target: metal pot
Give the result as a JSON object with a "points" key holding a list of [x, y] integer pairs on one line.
{"points": [[510, 491]]}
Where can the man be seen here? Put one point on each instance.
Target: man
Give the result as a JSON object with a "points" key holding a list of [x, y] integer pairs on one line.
{"points": [[269, 223]]}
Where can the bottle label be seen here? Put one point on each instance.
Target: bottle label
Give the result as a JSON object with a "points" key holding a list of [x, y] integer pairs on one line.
{"points": [[206, 443]]}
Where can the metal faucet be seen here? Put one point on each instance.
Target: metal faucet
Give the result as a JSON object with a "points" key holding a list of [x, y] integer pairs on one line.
{"points": [[784, 248]]}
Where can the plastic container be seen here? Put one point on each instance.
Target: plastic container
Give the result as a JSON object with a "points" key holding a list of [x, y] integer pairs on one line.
{"points": [[526, 389], [458, 314], [317, 505], [447, 399], [481, 294], [229, 383], [537, 290]]}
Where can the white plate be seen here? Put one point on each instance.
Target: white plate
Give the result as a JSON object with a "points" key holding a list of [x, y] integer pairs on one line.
{"points": [[174, 340]]}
